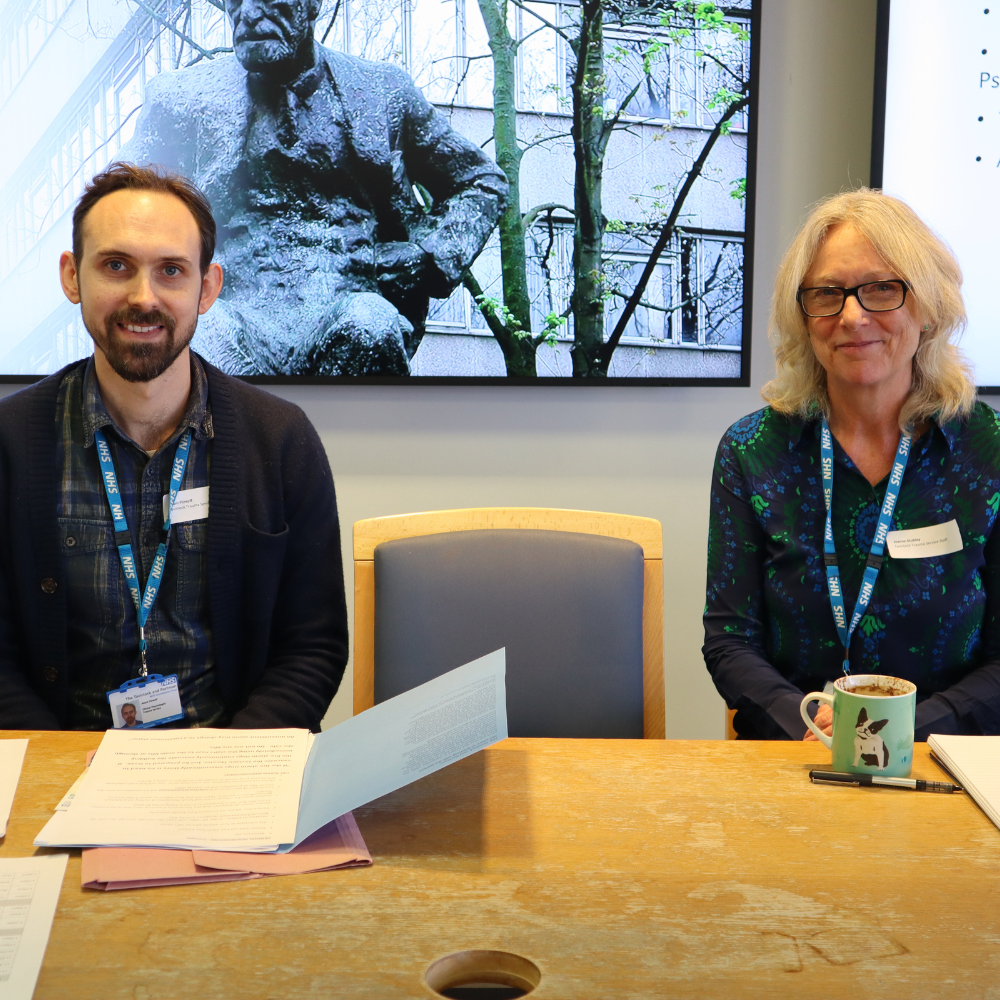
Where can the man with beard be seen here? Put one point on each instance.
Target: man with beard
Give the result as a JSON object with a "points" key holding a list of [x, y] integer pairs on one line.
{"points": [[311, 159], [246, 605]]}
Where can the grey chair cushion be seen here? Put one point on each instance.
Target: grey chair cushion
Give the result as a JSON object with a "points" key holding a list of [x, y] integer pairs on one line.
{"points": [[567, 607]]}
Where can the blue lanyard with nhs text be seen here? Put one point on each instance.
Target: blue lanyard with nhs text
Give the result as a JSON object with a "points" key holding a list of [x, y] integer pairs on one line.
{"points": [[123, 538], [874, 563]]}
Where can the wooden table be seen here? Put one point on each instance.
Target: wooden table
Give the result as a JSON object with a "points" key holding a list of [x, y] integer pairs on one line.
{"points": [[655, 869]]}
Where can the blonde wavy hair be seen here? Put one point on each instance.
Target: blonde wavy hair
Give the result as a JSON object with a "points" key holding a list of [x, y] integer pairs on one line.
{"points": [[942, 383]]}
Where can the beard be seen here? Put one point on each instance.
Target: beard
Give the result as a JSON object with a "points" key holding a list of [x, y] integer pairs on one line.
{"points": [[141, 362]]}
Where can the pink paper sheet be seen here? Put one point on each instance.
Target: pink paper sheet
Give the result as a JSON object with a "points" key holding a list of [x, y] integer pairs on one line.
{"points": [[337, 845]]}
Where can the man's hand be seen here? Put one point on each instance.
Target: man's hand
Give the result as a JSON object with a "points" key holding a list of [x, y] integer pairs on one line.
{"points": [[823, 720], [402, 266]]}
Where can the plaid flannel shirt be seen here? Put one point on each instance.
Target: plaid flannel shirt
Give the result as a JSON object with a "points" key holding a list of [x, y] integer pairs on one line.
{"points": [[103, 634]]}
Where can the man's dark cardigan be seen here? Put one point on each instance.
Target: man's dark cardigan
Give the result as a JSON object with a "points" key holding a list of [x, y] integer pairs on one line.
{"points": [[275, 580]]}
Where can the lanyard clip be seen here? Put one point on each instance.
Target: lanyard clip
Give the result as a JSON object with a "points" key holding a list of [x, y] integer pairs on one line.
{"points": [[142, 650]]}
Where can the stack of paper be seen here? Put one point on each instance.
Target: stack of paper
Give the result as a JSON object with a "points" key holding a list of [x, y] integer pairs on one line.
{"points": [[29, 892], [268, 790], [338, 845], [11, 759], [975, 763]]}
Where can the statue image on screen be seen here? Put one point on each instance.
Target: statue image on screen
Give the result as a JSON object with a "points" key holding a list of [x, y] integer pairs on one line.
{"points": [[344, 200]]}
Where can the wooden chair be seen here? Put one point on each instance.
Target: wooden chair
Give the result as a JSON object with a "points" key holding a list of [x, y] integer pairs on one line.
{"points": [[644, 531], [730, 728]]}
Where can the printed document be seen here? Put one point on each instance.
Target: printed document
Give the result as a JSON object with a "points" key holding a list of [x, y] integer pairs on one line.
{"points": [[29, 892], [403, 739], [11, 759], [219, 789], [267, 790]]}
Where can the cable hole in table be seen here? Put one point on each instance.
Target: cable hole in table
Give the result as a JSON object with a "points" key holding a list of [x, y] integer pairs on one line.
{"points": [[483, 975]]}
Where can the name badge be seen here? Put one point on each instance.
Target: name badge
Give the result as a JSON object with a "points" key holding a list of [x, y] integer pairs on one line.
{"points": [[922, 543], [146, 702], [190, 505]]}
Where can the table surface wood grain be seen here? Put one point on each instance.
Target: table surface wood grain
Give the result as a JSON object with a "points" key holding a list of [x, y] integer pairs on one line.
{"points": [[621, 868]]}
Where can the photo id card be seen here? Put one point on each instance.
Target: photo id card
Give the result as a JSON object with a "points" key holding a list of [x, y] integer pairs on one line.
{"points": [[146, 702]]}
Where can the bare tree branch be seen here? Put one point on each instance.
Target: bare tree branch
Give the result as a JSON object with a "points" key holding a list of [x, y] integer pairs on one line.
{"points": [[329, 27], [547, 24], [465, 72], [545, 139], [668, 228], [170, 26], [738, 77], [530, 216], [610, 125]]}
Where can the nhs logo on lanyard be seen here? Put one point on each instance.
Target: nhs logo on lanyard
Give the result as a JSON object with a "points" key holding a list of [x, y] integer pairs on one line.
{"points": [[878, 542]]}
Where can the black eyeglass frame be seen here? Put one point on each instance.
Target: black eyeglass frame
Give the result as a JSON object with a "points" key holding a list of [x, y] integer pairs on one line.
{"points": [[847, 292]]}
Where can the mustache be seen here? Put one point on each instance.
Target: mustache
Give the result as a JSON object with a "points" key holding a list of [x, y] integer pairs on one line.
{"points": [[262, 28], [136, 317]]}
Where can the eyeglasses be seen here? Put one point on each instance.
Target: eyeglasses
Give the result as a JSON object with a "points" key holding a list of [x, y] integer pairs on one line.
{"points": [[875, 296]]}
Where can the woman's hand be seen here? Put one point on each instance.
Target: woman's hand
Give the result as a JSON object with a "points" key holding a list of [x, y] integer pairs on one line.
{"points": [[823, 720]]}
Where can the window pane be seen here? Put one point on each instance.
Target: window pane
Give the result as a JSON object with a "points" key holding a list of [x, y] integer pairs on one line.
{"points": [[539, 59], [376, 30], [433, 47], [722, 296], [549, 247], [724, 68], [638, 60], [479, 74], [331, 25], [689, 290]]}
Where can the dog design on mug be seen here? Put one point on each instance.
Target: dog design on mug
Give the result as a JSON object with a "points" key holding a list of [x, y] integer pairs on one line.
{"points": [[868, 745]]}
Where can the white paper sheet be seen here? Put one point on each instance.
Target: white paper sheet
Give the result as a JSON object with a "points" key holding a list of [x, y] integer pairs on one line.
{"points": [[218, 789], [29, 892], [925, 543], [975, 763], [403, 739], [11, 759]]}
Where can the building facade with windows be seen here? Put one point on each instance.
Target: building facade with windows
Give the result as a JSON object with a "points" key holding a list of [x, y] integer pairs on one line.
{"points": [[72, 79]]}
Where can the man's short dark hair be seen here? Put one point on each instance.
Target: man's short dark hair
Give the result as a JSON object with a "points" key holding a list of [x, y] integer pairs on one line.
{"points": [[129, 177]]}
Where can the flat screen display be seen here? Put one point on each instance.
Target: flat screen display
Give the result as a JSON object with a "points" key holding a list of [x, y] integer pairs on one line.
{"points": [[406, 190], [941, 136]]}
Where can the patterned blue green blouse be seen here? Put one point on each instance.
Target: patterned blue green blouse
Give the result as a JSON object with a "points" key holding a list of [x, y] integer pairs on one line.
{"points": [[769, 631]]}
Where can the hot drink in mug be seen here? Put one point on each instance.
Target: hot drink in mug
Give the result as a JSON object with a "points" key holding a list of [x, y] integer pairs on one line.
{"points": [[873, 719]]}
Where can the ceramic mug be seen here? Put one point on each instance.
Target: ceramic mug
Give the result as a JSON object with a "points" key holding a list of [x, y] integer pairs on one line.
{"points": [[872, 724]]}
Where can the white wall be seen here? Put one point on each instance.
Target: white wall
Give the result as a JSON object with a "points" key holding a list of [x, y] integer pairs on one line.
{"points": [[639, 450]]}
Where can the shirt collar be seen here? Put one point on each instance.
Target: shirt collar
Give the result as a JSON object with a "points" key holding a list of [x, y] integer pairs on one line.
{"points": [[197, 414], [949, 431], [808, 432]]}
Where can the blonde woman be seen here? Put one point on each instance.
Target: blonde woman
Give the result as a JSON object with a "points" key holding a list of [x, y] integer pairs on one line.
{"points": [[866, 303]]}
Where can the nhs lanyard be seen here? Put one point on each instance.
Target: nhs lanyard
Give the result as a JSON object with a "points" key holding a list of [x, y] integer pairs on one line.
{"points": [[874, 563], [123, 538]]}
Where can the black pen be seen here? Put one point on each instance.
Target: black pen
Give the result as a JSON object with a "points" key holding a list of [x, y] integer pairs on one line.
{"points": [[875, 781]]}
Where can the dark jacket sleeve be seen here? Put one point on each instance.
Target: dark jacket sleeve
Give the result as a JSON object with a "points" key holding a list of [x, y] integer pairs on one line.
{"points": [[468, 189], [28, 629], [292, 631], [20, 706], [736, 616], [972, 706]]}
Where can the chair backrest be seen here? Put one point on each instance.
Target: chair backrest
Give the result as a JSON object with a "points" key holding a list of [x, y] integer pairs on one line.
{"points": [[514, 563]]}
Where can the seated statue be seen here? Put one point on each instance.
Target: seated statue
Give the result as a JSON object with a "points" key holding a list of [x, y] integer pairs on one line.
{"points": [[344, 200]]}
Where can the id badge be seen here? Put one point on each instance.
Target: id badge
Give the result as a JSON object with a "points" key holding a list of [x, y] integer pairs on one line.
{"points": [[145, 702]]}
